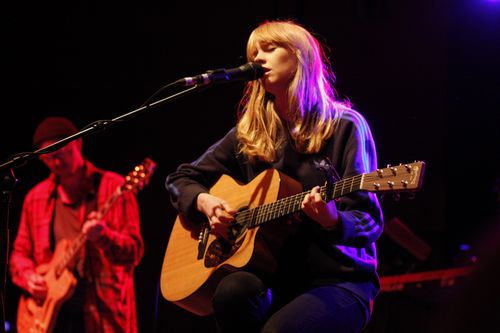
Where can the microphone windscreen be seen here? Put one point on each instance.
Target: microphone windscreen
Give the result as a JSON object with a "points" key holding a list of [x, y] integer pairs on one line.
{"points": [[253, 71]]}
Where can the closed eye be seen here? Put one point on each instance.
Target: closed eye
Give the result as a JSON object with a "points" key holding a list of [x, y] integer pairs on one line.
{"points": [[269, 47]]}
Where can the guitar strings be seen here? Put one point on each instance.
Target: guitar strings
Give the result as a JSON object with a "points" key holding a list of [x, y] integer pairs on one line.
{"points": [[258, 215]]}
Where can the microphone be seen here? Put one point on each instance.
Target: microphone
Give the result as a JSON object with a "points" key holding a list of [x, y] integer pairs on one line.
{"points": [[248, 72]]}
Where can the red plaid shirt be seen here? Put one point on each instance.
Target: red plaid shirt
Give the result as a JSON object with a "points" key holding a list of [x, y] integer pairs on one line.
{"points": [[110, 263]]}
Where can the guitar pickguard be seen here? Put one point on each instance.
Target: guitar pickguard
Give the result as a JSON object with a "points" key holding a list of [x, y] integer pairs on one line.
{"points": [[220, 249]]}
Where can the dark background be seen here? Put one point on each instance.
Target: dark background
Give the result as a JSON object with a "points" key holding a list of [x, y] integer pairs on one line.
{"points": [[425, 74]]}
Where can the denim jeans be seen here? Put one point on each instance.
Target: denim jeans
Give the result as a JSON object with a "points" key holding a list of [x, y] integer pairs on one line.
{"points": [[243, 303]]}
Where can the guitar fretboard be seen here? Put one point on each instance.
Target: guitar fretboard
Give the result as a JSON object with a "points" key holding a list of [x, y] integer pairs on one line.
{"points": [[256, 216]]}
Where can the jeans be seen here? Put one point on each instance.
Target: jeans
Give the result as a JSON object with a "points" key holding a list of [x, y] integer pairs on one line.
{"points": [[70, 318], [244, 304]]}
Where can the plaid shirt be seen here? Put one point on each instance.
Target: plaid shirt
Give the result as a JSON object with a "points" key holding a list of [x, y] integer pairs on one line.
{"points": [[110, 263]]}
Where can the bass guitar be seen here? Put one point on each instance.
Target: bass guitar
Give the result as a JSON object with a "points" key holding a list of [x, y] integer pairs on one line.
{"points": [[40, 317], [195, 260]]}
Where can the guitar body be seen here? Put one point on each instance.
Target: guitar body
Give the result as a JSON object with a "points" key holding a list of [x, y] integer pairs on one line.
{"points": [[41, 318], [189, 280]]}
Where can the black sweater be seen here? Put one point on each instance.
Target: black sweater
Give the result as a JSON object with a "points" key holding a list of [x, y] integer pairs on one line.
{"points": [[311, 256]]}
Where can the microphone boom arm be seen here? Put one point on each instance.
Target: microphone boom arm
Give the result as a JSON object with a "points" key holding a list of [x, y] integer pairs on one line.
{"points": [[20, 159]]}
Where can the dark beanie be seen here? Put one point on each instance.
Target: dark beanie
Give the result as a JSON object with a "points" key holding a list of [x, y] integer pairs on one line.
{"points": [[53, 128]]}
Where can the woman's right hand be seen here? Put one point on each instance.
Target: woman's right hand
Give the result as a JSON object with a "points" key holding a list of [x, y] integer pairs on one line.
{"points": [[219, 213], [37, 286]]}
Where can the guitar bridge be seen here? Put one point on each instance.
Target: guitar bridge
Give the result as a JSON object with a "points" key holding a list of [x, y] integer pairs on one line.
{"points": [[202, 241]]}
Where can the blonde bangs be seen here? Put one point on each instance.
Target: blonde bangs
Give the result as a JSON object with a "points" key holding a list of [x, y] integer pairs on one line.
{"points": [[281, 33]]}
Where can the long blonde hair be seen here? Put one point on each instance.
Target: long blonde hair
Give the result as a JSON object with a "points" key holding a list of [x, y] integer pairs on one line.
{"points": [[313, 107]]}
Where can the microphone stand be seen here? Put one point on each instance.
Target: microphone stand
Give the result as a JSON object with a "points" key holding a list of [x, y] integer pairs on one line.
{"points": [[8, 182], [8, 179]]}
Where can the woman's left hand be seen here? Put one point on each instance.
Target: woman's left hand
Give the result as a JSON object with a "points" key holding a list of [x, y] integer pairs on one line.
{"points": [[317, 209]]}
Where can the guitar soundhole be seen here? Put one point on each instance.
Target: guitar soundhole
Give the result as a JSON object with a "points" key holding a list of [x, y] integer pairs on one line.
{"points": [[220, 250]]}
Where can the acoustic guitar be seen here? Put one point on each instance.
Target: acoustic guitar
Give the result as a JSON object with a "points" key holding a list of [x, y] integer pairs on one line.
{"points": [[40, 317], [195, 260]]}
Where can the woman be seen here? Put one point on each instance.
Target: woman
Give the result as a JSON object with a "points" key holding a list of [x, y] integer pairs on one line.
{"points": [[326, 277]]}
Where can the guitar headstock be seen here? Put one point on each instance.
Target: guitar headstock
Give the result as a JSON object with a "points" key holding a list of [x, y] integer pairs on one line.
{"points": [[139, 176], [403, 177]]}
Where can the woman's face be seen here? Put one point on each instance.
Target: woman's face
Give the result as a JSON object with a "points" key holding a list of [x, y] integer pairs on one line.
{"points": [[279, 65]]}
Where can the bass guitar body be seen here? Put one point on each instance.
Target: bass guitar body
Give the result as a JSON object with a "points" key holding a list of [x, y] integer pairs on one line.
{"points": [[40, 317]]}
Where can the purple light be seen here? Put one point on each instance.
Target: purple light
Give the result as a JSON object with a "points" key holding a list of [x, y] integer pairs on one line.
{"points": [[464, 247]]}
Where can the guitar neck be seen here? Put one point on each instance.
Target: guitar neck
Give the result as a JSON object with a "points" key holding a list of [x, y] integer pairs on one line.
{"points": [[78, 242], [292, 204]]}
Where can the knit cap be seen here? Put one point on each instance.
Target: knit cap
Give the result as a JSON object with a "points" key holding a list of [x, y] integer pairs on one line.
{"points": [[53, 128]]}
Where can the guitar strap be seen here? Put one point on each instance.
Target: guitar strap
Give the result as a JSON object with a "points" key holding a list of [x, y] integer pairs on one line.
{"points": [[92, 284], [90, 205], [97, 182]]}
